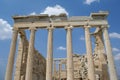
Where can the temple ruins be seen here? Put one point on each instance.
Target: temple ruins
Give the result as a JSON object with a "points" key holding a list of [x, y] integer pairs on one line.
{"points": [[31, 65]]}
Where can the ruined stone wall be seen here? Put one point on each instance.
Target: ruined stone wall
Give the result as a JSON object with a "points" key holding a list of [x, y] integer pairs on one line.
{"points": [[39, 67], [81, 68], [100, 58], [39, 63]]}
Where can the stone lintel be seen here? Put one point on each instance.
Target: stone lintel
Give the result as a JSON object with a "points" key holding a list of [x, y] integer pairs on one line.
{"points": [[60, 24], [59, 59]]}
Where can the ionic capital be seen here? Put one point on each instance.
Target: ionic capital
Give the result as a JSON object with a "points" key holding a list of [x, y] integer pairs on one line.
{"points": [[86, 26], [68, 27], [104, 26], [15, 29], [32, 28], [50, 28]]}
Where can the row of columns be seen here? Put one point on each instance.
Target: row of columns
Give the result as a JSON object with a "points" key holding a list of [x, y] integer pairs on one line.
{"points": [[60, 68], [49, 64]]}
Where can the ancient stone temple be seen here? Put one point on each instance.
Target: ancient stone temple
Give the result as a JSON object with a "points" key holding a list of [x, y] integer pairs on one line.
{"points": [[31, 65]]}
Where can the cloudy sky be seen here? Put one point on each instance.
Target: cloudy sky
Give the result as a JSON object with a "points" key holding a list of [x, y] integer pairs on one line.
{"points": [[9, 8]]}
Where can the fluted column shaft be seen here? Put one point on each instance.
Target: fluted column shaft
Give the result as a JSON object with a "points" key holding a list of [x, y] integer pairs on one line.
{"points": [[91, 71], [60, 68], [70, 74], [111, 65], [54, 69], [19, 58], [49, 63], [29, 68], [10, 65]]}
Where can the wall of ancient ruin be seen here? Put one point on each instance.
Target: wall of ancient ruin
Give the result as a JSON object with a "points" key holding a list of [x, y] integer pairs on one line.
{"points": [[39, 62], [81, 68]]}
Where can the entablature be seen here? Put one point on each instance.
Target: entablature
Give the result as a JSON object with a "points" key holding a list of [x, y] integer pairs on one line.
{"points": [[60, 21]]}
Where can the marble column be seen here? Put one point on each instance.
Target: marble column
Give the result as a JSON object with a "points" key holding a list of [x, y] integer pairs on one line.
{"points": [[49, 63], [111, 65], [29, 68], [66, 70], [19, 58], [60, 67], [54, 69], [70, 73], [91, 71], [10, 65]]}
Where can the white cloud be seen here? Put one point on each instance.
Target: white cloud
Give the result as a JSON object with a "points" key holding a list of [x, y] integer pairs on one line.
{"points": [[54, 10], [115, 49], [90, 1], [82, 38], [5, 30], [61, 48], [117, 57], [33, 13], [114, 35]]}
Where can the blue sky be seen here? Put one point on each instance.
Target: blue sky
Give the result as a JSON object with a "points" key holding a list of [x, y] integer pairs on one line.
{"points": [[9, 8]]}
